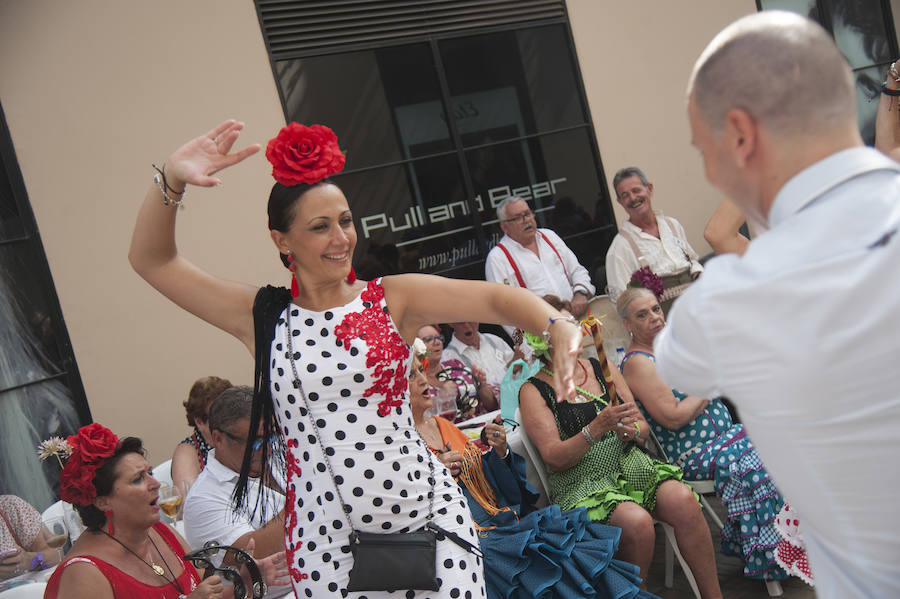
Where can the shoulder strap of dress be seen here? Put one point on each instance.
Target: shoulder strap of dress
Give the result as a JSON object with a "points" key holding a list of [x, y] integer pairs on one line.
{"points": [[513, 264], [633, 353], [598, 374]]}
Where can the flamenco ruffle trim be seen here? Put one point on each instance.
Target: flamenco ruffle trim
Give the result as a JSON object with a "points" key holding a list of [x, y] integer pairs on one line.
{"points": [[601, 504], [550, 553], [752, 501]]}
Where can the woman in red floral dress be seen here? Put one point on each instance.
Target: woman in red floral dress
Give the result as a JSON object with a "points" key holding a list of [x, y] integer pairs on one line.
{"points": [[339, 344]]}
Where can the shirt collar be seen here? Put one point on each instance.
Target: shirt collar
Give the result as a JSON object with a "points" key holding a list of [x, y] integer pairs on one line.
{"points": [[218, 470], [820, 178], [460, 347]]}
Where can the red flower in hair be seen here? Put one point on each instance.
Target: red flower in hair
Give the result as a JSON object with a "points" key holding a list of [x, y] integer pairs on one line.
{"points": [[94, 442], [91, 446], [76, 483], [301, 154]]}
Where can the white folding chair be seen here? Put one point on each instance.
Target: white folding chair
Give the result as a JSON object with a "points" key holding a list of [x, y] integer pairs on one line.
{"points": [[163, 473], [702, 488]]}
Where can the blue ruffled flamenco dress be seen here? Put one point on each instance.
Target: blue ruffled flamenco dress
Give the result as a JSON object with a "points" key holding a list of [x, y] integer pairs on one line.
{"points": [[537, 553]]}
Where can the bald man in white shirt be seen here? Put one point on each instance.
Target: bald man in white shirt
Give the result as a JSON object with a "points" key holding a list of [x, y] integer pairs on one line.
{"points": [[801, 332]]}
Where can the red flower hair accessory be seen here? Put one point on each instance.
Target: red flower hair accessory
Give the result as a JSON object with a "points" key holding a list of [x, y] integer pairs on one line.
{"points": [[646, 278], [91, 447], [301, 154]]}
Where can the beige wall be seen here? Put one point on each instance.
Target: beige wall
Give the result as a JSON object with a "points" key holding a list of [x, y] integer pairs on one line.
{"points": [[636, 58], [94, 91]]}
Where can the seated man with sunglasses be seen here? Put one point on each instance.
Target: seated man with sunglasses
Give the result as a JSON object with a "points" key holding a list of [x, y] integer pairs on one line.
{"points": [[208, 511], [536, 259]]}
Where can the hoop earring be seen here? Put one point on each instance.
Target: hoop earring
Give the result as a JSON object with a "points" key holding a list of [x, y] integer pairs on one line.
{"points": [[109, 515], [295, 288], [351, 278]]}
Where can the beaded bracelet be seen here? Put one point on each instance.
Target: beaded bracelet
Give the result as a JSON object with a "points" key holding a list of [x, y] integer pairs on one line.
{"points": [[546, 332], [888, 91]]}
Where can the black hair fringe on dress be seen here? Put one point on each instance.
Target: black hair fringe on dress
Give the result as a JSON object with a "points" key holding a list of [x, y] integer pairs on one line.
{"points": [[268, 306]]}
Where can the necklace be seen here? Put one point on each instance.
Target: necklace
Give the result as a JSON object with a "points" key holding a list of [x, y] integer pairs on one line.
{"points": [[156, 568], [583, 393]]}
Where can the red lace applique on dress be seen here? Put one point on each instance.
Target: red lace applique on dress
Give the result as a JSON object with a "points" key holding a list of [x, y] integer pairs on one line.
{"points": [[386, 347], [293, 469]]}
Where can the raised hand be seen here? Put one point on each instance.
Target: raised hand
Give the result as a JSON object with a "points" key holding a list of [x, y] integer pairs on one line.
{"points": [[565, 337], [196, 161]]}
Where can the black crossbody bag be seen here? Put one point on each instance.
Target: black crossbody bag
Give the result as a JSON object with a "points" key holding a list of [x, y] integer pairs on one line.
{"points": [[386, 562]]}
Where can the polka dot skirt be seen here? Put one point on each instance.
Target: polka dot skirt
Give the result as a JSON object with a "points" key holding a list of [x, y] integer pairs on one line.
{"points": [[353, 366]]}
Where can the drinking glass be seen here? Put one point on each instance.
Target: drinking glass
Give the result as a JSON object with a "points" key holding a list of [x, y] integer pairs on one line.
{"points": [[58, 535], [170, 499]]}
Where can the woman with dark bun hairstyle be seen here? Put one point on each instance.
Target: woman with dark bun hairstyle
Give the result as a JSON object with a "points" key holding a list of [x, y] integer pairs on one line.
{"points": [[332, 358]]}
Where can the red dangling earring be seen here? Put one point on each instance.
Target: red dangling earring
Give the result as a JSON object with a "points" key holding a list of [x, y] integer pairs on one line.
{"points": [[109, 514], [351, 278], [295, 288]]}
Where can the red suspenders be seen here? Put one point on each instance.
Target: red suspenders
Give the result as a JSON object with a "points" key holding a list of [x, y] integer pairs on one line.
{"points": [[516, 268]]}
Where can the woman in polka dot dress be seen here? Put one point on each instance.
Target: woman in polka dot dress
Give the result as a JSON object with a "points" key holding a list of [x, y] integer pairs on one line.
{"points": [[347, 341], [702, 439]]}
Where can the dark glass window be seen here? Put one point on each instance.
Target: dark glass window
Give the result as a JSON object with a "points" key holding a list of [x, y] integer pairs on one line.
{"points": [[384, 104], [423, 188], [41, 394], [511, 84]]}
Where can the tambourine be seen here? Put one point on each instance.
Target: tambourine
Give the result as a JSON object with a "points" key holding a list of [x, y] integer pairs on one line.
{"points": [[202, 559]]}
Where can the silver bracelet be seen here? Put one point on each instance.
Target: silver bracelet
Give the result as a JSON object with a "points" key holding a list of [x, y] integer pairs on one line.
{"points": [[588, 435], [546, 332], [167, 199]]}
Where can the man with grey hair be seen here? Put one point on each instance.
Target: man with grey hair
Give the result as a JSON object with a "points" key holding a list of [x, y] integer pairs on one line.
{"points": [[208, 511], [536, 259], [801, 332], [648, 239]]}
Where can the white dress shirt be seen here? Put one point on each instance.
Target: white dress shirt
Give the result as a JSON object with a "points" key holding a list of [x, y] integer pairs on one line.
{"points": [[803, 334], [667, 255], [492, 356], [543, 275], [208, 511]]}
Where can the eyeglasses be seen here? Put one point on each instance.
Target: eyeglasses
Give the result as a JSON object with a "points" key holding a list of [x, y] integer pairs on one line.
{"points": [[519, 218], [431, 339], [257, 443]]}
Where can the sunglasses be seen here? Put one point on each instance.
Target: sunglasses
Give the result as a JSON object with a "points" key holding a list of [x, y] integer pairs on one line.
{"points": [[257, 443], [431, 338]]}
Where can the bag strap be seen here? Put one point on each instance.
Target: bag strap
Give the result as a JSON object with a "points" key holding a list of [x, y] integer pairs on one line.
{"points": [[455, 538], [299, 386], [12, 531], [513, 264]]}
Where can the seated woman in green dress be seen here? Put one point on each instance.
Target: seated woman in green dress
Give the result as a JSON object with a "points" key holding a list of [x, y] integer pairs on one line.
{"points": [[592, 450]]}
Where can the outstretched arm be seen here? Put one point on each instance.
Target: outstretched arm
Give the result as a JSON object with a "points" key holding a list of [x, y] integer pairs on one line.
{"points": [[154, 254], [416, 300]]}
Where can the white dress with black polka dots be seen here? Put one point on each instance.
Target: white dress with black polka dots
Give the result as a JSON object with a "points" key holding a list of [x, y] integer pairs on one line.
{"points": [[353, 365]]}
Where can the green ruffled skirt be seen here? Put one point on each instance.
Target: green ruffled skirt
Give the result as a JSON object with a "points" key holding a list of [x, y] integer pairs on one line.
{"points": [[611, 473]]}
